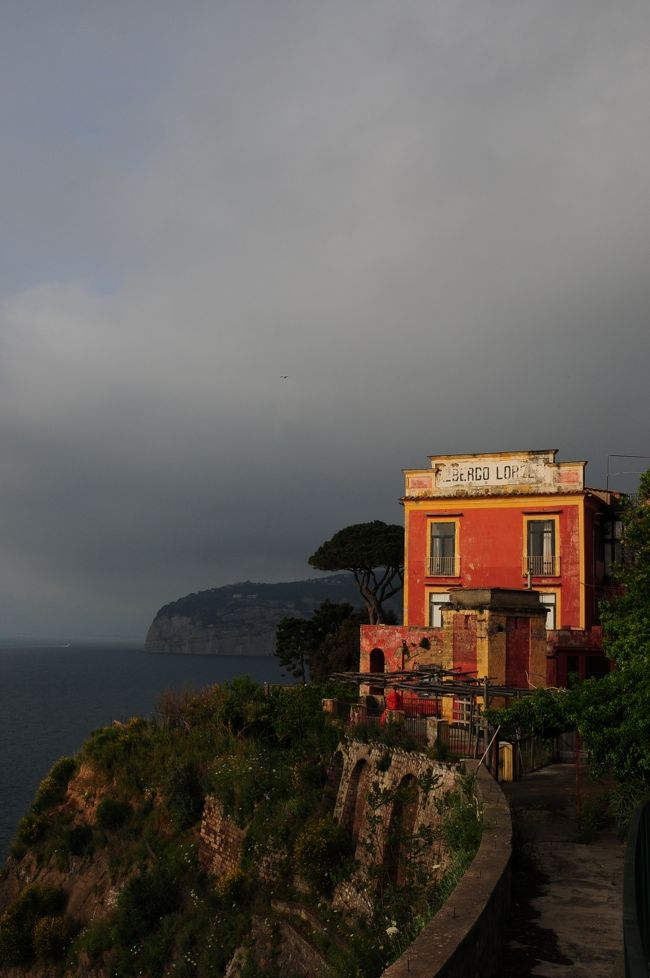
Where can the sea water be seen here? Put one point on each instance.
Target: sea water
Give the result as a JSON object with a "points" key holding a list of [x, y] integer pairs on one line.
{"points": [[53, 696]]}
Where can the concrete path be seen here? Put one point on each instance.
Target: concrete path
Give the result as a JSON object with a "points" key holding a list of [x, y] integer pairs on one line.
{"points": [[567, 905]]}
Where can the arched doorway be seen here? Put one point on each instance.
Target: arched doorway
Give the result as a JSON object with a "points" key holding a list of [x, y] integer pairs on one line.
{"points": [[377, 664]]}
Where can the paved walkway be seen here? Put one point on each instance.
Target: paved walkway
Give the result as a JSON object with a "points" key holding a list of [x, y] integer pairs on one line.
{"points": [[567, 904]]}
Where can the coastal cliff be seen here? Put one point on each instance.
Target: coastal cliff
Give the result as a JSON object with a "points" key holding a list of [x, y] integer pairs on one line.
{"points": [[237, 834], [241, 619]]}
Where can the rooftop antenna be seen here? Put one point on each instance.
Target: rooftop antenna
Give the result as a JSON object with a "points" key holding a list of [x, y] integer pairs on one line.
{"points": [[623, 471]]}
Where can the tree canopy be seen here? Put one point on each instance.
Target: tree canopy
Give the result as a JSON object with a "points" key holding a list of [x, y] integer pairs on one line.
{"points": [[612, 713], [626, 618], [374, 554], [316, 645]]}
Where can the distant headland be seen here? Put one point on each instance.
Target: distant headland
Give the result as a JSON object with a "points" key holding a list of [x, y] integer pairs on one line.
{"points": [[241, 619]]}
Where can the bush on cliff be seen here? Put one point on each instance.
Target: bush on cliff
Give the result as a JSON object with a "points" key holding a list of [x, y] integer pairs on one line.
{"points": [[52, 789], [21, 937], [112, 813], [53, 935], [322, 853]]}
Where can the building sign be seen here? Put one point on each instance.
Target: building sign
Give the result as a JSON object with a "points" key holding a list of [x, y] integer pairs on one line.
{"points": [[489, 472], [496, 474]]}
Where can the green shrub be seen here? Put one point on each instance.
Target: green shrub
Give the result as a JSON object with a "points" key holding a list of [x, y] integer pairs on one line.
{"points": [[111, 813], [592, 818], [94, 940], [385, 761], [31, 828], [184, 794], [143, 902], [391, 734], [77, 841], [51, 790], [319, 852], [229, 888], [624, 800], [461, 819], [248, 775], [52, 936], [63, 769], [18, 922], [15, 940], [104, 748]]}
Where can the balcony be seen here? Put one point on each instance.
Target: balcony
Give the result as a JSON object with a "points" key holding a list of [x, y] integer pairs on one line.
{"points": [[540, 566], [443, 566]]}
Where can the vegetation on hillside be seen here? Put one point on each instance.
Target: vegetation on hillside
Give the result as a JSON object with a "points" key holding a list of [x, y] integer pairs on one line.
{"points": [[323, 644], [210, 606], [128, 808]]}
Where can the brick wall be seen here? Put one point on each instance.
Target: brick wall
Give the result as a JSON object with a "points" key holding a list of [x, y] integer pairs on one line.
{"points": [[221, 841]]}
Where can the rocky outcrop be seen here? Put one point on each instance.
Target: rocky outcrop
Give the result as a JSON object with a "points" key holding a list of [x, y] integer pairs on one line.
{"points": [[241, 619]]}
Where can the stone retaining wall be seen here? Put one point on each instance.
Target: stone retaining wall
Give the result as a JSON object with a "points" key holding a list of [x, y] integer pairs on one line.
{"points": [[374, 770], [221, 841], [465, 937]]}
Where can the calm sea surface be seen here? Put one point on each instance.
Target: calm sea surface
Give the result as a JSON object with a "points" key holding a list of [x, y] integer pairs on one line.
{"points": [[52, 697]]}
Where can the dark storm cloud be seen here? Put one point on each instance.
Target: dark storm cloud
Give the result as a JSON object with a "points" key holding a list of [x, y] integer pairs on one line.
{"points": [[431, 218]]}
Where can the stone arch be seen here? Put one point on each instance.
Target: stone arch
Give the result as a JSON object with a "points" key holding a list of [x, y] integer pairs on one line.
{"points": [[398, 849], [335, 770], [354, 806]]}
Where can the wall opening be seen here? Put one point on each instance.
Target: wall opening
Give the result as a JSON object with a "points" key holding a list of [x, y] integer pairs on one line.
{"points": [[400, 854], [377, 664], [355, 800]]}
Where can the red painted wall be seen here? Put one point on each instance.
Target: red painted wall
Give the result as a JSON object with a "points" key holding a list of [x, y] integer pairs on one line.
{"points": [[491, 544], [517, 651], [464, 643], [391, 640]]}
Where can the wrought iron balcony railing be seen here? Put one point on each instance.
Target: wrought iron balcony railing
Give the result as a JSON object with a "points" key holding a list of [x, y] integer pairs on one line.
{"points": [[541, 566], [443, 566]]}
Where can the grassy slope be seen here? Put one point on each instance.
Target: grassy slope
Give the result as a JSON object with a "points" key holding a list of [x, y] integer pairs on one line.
{"points": [[109, 849]]}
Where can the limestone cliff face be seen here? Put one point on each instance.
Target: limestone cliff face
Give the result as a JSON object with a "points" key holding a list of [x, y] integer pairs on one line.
{"points": [[92, 885], [241, 619]]}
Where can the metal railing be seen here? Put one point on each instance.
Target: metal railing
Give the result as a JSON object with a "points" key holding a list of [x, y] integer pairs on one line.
{"points": [[443, 566], [416, 706], [541, 566]]}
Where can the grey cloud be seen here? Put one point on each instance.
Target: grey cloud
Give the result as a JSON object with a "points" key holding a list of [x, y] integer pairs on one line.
{"points": [[431, 217]]}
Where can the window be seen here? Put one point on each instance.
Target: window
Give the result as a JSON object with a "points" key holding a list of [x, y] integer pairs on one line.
{"points": [[443, 561], [541, 558], [462, 709], [613, 550], [550, 603], [436, 601]]}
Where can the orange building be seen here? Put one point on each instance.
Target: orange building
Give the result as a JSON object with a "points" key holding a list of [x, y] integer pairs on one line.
{"points": [[512, 521]]}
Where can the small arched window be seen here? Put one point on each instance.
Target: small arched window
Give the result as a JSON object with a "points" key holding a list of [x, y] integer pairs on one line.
{"points": [[377, 661]]}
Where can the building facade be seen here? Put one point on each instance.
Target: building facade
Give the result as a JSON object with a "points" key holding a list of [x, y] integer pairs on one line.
{"points": [[513, 521]]}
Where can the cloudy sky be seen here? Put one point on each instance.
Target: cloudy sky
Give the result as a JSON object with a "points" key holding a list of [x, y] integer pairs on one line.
{"points": [[432, 217]]}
